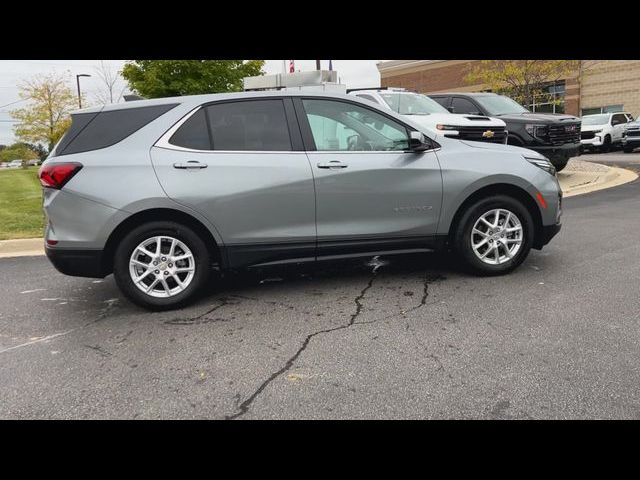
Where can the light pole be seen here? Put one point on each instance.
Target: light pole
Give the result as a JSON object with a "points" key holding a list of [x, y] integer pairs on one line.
{"points": [[78, 83]]}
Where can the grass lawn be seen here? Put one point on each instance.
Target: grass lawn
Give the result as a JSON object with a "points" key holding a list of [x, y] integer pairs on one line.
{"points": [[20, 204]]}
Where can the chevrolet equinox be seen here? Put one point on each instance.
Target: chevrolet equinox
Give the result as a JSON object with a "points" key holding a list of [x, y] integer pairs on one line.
{"points": [[158, 192]]}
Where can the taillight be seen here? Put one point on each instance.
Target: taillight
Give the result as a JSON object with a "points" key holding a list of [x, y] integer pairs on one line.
{"points": [[56, 175]]}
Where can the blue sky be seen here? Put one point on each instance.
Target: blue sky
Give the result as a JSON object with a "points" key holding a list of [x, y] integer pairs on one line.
{"points": [[354, 73]]}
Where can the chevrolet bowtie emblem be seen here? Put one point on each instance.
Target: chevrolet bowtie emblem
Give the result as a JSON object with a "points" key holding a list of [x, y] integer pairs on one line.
{"points": [[488, 134]]}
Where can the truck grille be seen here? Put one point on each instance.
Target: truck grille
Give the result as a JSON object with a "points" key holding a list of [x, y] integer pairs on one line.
{"points": [[480, 134], [564, 133], [587, 135], [633, 133]]}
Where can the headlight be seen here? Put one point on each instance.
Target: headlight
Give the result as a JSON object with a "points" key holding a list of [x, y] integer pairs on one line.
{"points": [[446, 127], [542, 163], [596, 131], [536, 130]]}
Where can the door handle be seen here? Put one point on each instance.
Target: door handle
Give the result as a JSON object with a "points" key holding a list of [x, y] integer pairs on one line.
{"points": [[191, 164], [332, 164]]}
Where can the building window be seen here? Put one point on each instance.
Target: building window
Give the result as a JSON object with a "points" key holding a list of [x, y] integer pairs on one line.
{"points": [[550, 100], [607, 109]]}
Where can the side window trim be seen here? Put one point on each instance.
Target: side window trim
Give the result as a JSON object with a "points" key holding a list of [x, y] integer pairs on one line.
{"points": [[294, 131], [307, 135]]}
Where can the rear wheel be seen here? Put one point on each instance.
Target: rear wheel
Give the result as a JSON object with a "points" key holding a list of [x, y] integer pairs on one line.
{"points": [[161, 265], [494, 235]]}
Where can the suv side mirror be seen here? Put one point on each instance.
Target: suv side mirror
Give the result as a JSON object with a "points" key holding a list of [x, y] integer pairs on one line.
{"points": [[451, 109], [419, 142]]}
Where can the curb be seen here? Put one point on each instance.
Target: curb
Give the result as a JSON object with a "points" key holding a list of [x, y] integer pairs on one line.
{"points": [[24, 247], [613, 177]]}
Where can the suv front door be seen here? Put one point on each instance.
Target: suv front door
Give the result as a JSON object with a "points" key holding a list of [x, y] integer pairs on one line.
{"points": [[618, 123], [242, 165], [372, 194]]}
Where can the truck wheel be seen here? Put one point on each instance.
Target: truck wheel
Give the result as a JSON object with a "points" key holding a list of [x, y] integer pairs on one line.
{"points": [[560, 164], [161, 265], [628, 149], [606, 145], [494, 235]]}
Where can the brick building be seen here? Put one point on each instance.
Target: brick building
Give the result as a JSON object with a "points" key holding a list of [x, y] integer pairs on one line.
{"points": [[597, 86]]}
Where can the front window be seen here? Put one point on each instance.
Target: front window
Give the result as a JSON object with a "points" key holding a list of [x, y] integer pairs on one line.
{"points": [[499, 105], [595, 120], [412, 104], [344, 126]]}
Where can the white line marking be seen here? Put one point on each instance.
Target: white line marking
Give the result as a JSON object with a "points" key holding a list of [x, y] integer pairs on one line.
{"points": [[36, 290], [43, 339]]}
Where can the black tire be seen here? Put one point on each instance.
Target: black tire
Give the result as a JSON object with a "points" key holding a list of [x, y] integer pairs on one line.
{"points": [[628, 149], [606, 146], [462, 236], [560, 164], [160, 228]]}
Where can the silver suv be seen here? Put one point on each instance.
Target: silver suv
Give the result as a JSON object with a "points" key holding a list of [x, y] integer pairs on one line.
{"points": [[159, 191]]}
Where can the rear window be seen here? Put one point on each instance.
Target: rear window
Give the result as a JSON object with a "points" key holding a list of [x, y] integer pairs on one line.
{"points": [[92, 131]]}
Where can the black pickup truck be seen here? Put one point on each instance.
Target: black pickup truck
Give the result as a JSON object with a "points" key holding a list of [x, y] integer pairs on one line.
{"points": [[555, 136]]}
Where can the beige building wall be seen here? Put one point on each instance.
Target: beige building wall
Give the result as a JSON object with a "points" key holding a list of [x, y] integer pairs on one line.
{"points": [[601, 82], [611, 82]]}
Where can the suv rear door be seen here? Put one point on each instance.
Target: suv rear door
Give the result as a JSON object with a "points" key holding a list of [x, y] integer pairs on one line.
{"points": [[242, 165], [371, 194]]}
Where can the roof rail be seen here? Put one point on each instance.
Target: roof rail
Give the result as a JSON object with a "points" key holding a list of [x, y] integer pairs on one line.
{"points": [[366, 88]]}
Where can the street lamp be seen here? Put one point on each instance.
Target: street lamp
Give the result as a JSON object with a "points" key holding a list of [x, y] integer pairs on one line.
{"points": [[78, 83]]}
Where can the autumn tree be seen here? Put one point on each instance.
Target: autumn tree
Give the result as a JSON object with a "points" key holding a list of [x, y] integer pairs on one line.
{"points": [[47, 115], [168, 78], [521, 80]]}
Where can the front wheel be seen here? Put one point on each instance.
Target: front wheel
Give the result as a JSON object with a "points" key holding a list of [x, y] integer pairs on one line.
{"points": [[628, 149], [161, 265], [494, 235]]}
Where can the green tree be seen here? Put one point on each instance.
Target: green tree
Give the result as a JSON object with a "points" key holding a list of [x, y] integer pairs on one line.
{"points": [[521, 80], [47, 115], [168, 78], [17, 151]]}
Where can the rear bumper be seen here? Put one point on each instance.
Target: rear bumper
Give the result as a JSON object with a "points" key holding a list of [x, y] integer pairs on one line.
{"points": [[77, 263]]}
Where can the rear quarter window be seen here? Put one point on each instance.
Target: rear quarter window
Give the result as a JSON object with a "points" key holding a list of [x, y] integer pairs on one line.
{"points": [[100, 130]]}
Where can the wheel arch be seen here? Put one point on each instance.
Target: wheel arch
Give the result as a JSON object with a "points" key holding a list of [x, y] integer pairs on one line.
{"points": [[160, 214], [507, 189]]}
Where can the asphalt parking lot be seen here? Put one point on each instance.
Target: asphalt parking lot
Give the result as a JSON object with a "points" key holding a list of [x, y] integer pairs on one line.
{"points": [[391, 337]]}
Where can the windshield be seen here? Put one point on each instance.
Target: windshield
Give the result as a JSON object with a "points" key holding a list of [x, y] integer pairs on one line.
{"points": [[595, 120], [412, 104], [499, 105]]}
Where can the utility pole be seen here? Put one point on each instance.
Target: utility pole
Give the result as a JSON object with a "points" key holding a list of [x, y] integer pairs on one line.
{"points": [[78, 83]]}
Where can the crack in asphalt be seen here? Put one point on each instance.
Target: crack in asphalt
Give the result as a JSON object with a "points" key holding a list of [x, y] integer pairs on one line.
{"points": [[244, 406], [198, 319]]}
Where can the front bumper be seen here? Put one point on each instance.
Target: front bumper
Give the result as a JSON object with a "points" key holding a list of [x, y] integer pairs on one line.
{"points": [[596, 141], [546, 234], [77, 263], [558, 153], [635, 141]]}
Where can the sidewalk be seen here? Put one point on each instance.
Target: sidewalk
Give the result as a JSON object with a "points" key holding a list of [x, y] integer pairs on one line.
{"points": [[577, 178], [580, 177]]}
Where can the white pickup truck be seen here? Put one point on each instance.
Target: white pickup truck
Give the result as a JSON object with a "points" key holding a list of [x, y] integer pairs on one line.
{"points": [[433, 116]]}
